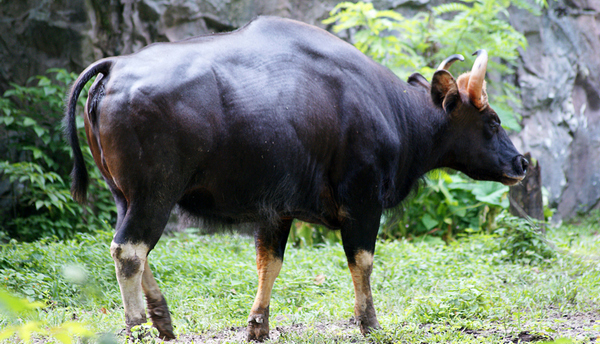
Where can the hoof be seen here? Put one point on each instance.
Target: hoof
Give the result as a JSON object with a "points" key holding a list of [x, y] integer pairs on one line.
{"points": [[165, 330], [258, 327], [161, 318], [131, 323], [367, 324]]}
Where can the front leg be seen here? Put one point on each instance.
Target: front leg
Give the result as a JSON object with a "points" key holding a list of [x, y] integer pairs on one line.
{"points": [[359, 234], [364, 311], [258, 321], [270, 247]]}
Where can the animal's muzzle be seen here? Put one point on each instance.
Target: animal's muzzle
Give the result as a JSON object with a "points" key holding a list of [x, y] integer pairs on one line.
{"points": [[519, 170], [520, 165]]}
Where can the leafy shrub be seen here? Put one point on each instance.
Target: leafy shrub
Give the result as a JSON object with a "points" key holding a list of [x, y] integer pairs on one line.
{"points": [[305, 234], [36, 163], [446, 205], [523, 241]]}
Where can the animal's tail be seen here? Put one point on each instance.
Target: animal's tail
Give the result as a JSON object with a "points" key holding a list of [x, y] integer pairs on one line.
{"points": [[79, 175]]}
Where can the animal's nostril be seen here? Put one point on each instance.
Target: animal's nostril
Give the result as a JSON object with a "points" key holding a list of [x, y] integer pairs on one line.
{"points": [[524, 164]]}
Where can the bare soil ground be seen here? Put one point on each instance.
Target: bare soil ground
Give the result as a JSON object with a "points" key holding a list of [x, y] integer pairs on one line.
{"points": [[582, 327]]}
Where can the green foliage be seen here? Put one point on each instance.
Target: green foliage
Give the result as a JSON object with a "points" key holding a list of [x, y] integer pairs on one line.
{"points": [[589, 220], [446, 206], [36, 162], [305, 234], [45, 271], [144, 334], [466, 301], [15, 307], [560, 341], [523, 240], [374, 37]]}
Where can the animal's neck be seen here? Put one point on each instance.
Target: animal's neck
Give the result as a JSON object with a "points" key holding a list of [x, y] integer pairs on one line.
{"points": [[437, 148], [423, 138]]}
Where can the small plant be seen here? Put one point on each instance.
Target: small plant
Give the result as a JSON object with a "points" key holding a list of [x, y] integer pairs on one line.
{"points": [[25, 331], [522, 240], [144, 334], [458, 302]]}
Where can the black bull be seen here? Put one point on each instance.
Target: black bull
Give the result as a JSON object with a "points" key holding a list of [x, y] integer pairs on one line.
{"points": [[276, 121]]}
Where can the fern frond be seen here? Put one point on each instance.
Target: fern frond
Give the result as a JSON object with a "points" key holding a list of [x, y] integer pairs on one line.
{"points": [[390, 14], [451, 7]]}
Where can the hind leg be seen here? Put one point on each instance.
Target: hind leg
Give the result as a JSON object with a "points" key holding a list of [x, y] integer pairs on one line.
{"points": [[157, 305], [138, 234], [120, 202], [270, 247]]}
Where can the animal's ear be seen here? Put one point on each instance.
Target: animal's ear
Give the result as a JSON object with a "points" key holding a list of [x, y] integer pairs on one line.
{"points": [[444, 91], [417, 79]]}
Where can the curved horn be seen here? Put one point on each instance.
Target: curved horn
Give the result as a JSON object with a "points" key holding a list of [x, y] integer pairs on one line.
{"points": [[449, 61], [475, 87]]}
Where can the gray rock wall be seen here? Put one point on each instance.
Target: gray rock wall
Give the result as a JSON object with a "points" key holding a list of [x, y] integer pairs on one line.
{"points": [[559, 75], [559, 78], [39, 34], [36, 35]]}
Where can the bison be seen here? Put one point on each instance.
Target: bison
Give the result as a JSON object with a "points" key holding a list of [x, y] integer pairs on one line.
{"points": [[276, 121]]}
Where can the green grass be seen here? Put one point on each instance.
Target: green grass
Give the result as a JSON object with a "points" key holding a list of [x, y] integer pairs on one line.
{"points": [[470, 291]]}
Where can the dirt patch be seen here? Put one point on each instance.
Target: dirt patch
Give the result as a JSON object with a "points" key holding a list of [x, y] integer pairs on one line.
{"points": [[583, 327], [526, 337], [580, 326], [347, 331]]}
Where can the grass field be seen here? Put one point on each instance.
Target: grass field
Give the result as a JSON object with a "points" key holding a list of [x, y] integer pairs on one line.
{"points": [[473, 290]]}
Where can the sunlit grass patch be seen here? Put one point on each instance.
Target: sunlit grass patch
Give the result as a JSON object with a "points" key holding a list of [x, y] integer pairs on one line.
{"points": [[462, 292]]}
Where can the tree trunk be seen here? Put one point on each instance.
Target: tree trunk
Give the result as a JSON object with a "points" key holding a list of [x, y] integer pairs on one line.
{"points": [[526, 197]]}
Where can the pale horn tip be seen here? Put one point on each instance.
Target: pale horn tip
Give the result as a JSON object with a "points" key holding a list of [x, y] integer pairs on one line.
{"points": [[480, 52], [450, 60]]}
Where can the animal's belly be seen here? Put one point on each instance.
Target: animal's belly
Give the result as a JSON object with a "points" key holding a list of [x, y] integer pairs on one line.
{"points": [[269, 206]]}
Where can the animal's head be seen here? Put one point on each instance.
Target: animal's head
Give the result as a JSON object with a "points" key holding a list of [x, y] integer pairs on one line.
{"points": [[478, 144]]}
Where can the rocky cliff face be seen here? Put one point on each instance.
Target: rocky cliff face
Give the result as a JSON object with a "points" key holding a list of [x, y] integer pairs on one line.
{"points": [[559, 78], [39, 34], [559, 75]]}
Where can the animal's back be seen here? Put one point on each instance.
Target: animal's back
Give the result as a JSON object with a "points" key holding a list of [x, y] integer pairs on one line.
{"points": [[252, 124]]}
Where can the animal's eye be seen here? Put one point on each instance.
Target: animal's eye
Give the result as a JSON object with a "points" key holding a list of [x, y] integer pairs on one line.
{"points": [[495, 126]]}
